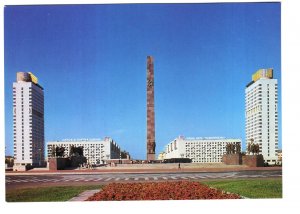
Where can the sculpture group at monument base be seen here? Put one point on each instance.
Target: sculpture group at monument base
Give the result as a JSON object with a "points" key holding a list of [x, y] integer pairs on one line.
{"points": [[60, 163]]}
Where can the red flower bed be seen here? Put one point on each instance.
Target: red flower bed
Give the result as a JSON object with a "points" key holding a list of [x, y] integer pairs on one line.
{"points": [[179, 190]]}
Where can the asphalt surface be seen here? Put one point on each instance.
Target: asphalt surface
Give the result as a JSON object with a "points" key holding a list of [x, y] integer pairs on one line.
{"points": [[16, 181]]}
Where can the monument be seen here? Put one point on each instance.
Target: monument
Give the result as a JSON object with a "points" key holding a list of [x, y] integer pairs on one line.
{"points": [[233, 154], [150, 110]]}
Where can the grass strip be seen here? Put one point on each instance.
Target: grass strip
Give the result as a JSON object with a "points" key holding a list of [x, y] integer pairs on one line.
{"points": [[250, 188], [47, 194]]}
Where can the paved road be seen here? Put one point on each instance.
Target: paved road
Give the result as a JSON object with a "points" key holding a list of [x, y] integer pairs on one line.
{"points": [[15, 181]]}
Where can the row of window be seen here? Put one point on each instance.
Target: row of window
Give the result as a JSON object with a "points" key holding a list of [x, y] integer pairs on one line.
{"points": [[259, 95]]}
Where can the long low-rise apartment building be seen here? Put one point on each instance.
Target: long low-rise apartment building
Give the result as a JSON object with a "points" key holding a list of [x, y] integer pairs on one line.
{"points": [[199, 149], [96, 151]]}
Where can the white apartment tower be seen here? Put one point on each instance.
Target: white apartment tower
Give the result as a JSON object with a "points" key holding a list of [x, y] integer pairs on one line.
{"points": [[262, 114], [28, 121]]}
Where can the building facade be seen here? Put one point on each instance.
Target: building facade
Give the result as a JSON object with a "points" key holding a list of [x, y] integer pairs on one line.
{"points": [[96, 151], [28, 121], [261, 101], [279, 157], [200, 149], [161, 156]]}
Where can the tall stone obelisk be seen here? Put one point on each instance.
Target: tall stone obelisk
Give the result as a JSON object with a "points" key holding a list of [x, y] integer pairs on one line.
{"points": [[150, 110]]}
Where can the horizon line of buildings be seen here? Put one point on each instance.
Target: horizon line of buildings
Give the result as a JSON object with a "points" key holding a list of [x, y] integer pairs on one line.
{"points": [[261, 114]]}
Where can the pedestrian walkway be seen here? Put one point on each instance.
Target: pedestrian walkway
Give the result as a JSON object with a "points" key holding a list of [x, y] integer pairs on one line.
{"points": [[85, 195]]}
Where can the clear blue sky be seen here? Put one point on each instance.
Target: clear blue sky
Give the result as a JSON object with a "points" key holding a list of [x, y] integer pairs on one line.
{"points": [[91, 61]]}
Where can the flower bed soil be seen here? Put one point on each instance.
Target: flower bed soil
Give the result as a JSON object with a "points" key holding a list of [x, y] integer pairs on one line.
{"points": [[179, 190]]}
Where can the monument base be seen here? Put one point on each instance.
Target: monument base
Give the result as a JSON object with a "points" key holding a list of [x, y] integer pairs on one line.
{"points": [[58, 163], [253, 160], [232, 159], [76, 161], [151, 156]]}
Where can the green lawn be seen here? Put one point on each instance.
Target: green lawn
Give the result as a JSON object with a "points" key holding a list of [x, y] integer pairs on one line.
{"points": [[250, 188], [46, 194]]}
